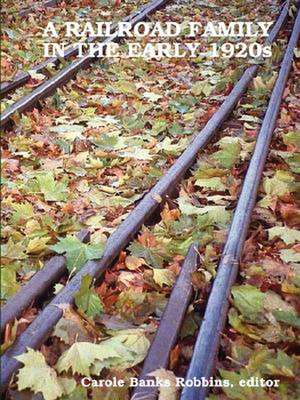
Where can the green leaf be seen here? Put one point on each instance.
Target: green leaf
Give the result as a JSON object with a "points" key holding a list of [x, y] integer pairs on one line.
{"points": [[202, 87], [9, 285], [69, 132], [211, 183], [248, 300], [111, 141], [37, 245], [238, 392], [183, 104], [290, 255], [77, 253], [86, 299], [289, 236], [79, 393], [13, 251], [230, 152], [169, 148], [163, 277], [126, 349], [68, 385], [81, 355], [38, 376], [158, 126], [236, 322], [281, 365], [51, 189], [292, 138], [280, 184], [125, 87], [22, 212], [132, 346], [151, 258], [287, 317], [218, 214]]}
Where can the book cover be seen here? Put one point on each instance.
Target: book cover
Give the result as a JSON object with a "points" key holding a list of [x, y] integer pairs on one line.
{"points": [[150, 224]]}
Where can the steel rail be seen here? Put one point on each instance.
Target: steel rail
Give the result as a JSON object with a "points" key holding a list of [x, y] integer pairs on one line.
{"points": [[22, 77], [207, 344], [63, 76], [279, 22], [36, 286], [55, 269], [169, 327], [43, 324]]}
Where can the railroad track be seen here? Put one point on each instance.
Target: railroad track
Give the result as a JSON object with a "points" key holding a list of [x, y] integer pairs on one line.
{"points": [[203, 362]]}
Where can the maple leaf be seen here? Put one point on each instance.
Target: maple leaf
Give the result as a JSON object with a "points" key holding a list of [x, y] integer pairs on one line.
{"points": [[229, 153], [211, 183], [133, 263], [13, 251], [111, 141], [125, 87], [81, 355], [22, 212], [38, 376], [158, 126], [260, 82], [280, 184], [37, 245], [86, 299], [172, 148], [202, 87], [148, 254], [132, 346], [9, 285], [77, 253], [248, 300], [78, 357], [127, 348], [68, 386], [69, 132], [163, 277], [51, 189], [218, 214], [281, 310]]}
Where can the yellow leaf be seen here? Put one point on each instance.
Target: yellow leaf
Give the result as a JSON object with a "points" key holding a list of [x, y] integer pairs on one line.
{"points": [[163, 277], [169, 390], [37, 245], [133, 263]]}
